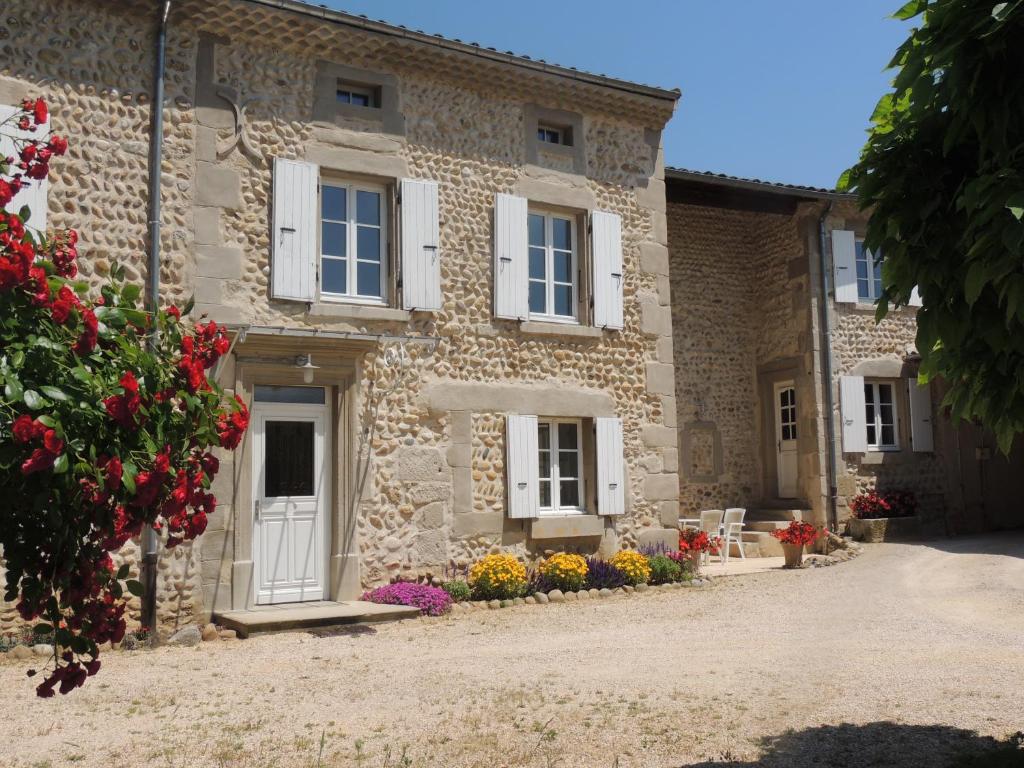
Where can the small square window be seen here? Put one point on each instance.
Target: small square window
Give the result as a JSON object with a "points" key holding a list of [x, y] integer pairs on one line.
{"points": [[551, 134], [357, 95]]}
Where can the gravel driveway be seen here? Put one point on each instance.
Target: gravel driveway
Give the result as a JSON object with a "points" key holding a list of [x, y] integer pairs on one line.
{"points": [[904, 656]]}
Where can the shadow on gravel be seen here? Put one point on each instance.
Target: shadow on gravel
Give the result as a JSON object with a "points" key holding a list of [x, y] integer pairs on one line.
{"points": [[882, 744], [1008, 543]]}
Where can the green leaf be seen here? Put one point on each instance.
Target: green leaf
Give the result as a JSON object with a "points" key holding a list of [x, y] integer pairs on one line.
{"points": [[111, 316], [130, 293], [25, 213], [123, 571], [60, 466], [17, 359], [909, 10], [34, 400], [135, 587], [977, 277], [42, 629], [47, 421], [189, 305], [13, 391], [1015, 203], [53, 393]]}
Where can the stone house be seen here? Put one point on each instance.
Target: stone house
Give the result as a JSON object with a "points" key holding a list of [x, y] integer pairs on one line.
{"points": [[442, 267], [759, 365]]}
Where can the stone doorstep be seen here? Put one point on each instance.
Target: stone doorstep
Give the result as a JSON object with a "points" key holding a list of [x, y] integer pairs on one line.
{"points": [[279, 618]]}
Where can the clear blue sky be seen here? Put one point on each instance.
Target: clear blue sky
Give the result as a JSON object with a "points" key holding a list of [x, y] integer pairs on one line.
{"points": [[772, 89]]}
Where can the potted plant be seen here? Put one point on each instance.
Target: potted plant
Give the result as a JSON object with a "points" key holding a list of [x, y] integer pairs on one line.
{"points": [[794, 538], [694, 543], [886, 516]]}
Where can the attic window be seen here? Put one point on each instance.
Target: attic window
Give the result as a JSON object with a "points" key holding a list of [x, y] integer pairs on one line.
{"points": [[358, 95], [552, 134]]}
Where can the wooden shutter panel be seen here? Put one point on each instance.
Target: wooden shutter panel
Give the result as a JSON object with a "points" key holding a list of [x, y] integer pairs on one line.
{"points": [[421, 256], [522, 466], [844, 265], [296, 212], [922, 435], [511, 282], [36, 194], [851, 410], [611, 467], [606, 247]]}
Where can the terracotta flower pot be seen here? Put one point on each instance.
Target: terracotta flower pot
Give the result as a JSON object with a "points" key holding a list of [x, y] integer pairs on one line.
{"points": [[794, 554], [695, 559]]}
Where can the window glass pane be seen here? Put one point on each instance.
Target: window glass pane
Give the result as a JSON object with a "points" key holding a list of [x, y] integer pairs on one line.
{"points": [[544, 436], [862, 269], [563, 300], [567, 436], [888, 435], [288, 469], [334, 277], [268, 393], [563, 267], [335, 203], [884, 393], [869, 393], [537, 266], [864, 290], [367, 207], [368, 278], [333, 239], [368, 243], [542, 134], [361, 99], [538, 300], [536, 226], [545, 463], [561, 234], [569, 493], [344, 97], [545, 493], [568, 464], [871, 434]]}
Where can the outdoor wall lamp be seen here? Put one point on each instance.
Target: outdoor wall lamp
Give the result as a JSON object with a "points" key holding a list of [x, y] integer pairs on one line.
{"points": [[305, 364]]}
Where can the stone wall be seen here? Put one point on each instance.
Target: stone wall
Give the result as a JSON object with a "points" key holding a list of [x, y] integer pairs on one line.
{"points": [[241, 91]]}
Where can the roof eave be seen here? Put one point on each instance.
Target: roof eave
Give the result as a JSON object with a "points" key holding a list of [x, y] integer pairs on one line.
{"points": [[756, 186]]}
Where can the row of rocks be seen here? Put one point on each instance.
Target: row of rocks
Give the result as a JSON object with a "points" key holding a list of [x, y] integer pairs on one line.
{"points": [[558, 596], [193, 635]]}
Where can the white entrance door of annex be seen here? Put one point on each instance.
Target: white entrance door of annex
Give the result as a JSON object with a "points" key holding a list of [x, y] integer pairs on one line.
{"points": [[291, 483], [785, 439]]}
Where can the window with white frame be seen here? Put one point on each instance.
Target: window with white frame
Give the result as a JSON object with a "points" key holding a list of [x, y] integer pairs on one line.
{"points": [[353, 242], [869, 274], [357, 95], [880, 416], [550, 134], [561, 467], [552, 267]]}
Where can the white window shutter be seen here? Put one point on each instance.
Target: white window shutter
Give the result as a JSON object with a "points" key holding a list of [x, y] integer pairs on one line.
{"points": [[606, 247], [611, 467], [851, 412], [915, 298], [36, 194], [921, 432], [421, 242], [296, 211], [844, 265], [522, 466], [511, 282]]}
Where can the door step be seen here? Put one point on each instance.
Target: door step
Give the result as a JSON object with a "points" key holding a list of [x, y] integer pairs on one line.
{"points": [[290, 616]]}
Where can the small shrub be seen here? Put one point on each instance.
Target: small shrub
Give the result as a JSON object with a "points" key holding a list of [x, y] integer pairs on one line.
{"points": [[457, 590], [431, 601], [497, 577], [603, 575], [797, 532], [633, 565], [664, 570], [687, 567], [872, 505], [566, 571]]}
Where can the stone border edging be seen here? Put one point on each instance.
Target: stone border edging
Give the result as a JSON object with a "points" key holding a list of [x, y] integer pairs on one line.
{"points": [[557, 596]]}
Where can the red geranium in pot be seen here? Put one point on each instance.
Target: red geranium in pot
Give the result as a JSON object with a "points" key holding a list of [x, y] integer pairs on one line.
{"points": [[794, 538]]}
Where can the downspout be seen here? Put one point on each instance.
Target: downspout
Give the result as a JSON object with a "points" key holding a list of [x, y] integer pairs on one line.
{"points": [[826, 333], [156, 145]]}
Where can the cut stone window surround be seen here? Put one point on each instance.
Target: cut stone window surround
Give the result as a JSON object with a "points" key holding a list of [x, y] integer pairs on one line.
{"points": [[567, 125], [354, 241], [382, 90], [561, 466], [554, 269]]}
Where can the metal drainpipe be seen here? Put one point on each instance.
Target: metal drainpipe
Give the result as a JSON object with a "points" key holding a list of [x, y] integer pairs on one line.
{"points": [[156, 143], [826, 333]]}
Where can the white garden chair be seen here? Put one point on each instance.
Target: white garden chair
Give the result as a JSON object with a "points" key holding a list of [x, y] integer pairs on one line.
{"points": [[711, 524], [732, 531]]}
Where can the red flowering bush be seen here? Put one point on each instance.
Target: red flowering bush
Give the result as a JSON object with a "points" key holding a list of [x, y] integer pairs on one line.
{"points": [[101, 432], [798, 532], [694, 540], [871, 505]]}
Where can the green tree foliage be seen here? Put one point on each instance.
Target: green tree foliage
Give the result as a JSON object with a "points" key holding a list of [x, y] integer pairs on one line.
{"points": [[943, 175]]}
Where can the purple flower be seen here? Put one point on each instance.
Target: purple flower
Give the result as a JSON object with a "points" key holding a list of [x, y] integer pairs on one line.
{"points": [[430, 600]]}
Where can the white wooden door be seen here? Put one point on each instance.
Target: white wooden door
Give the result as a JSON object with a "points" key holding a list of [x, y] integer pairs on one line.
{"points": [[290, 488], [785, 439]]}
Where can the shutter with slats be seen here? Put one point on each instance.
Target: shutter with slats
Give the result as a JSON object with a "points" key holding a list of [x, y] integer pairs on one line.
{"points": [[921, 431], [296, 219], [522, 466], [421, 256], [851, 410], [844, 265], [611, 475], [606, 247], [511, 283], [36, 193]]}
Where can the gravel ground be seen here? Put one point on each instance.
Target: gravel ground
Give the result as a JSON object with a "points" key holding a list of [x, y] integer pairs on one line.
{"points": [[904, 656]]}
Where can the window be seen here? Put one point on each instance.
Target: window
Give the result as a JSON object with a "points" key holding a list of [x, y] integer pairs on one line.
{"points": [[787, 413], [561, 475], [550, 134], [352, 242], [869, 274], [357, 95], [880, 417], [552, 268]]}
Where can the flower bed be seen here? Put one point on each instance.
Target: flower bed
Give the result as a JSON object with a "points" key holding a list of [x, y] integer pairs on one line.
{"points": [[432, 601]]}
